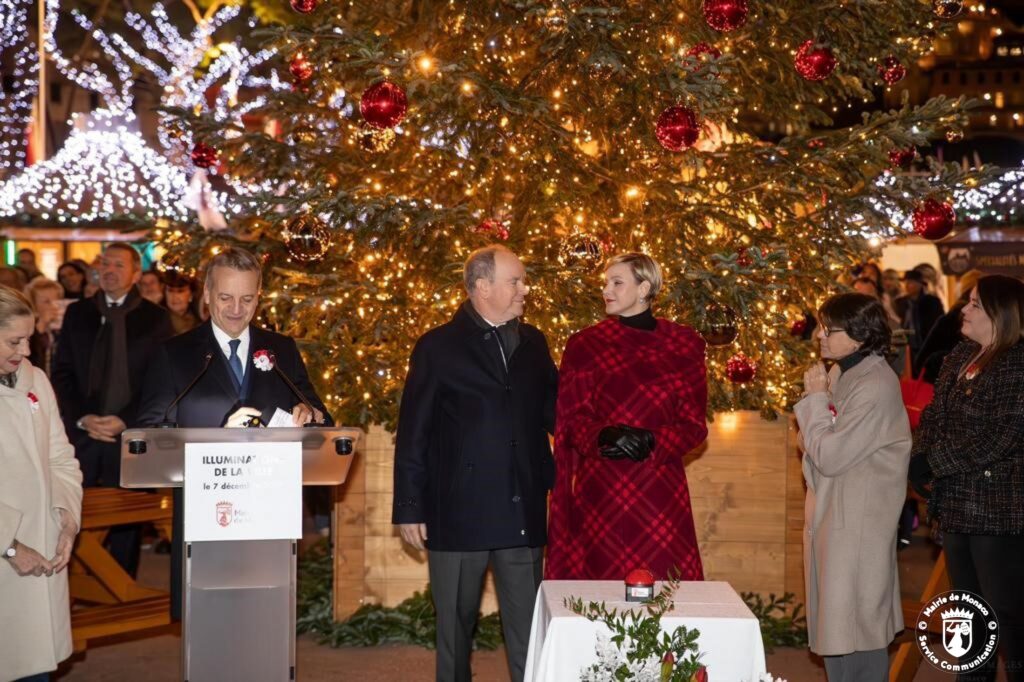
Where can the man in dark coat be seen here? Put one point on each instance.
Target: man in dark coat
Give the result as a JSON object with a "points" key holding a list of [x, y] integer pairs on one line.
{"points": [[473, 462], [919, 311], [107, 344], [233, 388]]}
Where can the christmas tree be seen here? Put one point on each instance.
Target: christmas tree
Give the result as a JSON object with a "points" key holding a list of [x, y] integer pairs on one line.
{"points": [[699, 132]]}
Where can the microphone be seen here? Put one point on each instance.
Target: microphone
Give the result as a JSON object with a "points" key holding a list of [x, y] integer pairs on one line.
{"points": [[164, 424], [294, 389]]}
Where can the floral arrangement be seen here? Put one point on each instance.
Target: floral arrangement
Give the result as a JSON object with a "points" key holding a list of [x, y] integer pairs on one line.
{"points": [[263, 360], [638, 650]]}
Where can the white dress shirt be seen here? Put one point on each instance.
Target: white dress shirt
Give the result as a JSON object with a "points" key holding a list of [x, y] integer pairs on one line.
{"points": [[223, 341]]}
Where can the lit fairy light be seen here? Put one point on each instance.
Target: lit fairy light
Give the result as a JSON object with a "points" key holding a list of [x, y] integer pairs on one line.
{"points": [[104, 170], [16, 105]]}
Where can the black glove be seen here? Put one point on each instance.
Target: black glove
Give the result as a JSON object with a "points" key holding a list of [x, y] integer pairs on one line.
{"points": [[920, 475], [620, 441]]}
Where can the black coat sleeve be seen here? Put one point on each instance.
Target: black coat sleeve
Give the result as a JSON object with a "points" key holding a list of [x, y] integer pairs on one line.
{"points": [[158, 391], [65, 385], [412, 442], [551, 390], [296, 370]]}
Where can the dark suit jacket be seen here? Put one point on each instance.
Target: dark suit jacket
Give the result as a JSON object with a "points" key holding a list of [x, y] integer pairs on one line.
{"points": [[214, 397], [147, 326], [927, 310], [472, 456]]}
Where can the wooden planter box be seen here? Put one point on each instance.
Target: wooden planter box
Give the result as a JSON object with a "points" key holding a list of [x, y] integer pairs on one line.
{"points": [[745, 482]]}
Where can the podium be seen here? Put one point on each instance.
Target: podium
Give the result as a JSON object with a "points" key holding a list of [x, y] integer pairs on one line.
{"points": [[239, 594]]}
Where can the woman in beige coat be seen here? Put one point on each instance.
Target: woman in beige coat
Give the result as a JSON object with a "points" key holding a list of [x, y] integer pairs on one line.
{"points": [[40, 506], [856, 443]]}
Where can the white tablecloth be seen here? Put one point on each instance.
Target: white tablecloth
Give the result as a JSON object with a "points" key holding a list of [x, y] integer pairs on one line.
{"points": [[562, 643]]}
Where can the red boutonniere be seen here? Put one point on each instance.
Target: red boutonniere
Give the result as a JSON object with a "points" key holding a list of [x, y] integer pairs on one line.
{"points": [[833, 411], [263, 360], [33, 402]]}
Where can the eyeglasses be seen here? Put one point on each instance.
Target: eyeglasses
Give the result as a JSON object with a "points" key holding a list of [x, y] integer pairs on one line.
{"points": [[828, 332]]}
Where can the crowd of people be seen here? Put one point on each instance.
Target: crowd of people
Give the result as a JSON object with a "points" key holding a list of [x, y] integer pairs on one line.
{"points": [[476, 481]]}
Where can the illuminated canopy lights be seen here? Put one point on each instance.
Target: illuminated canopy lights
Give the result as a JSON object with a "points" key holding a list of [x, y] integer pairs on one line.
{"points": [[104, 171]]}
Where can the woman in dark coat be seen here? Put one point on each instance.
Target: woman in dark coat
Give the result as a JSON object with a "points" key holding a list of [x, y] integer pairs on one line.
{"points": [[632, 401], [970, 448]]}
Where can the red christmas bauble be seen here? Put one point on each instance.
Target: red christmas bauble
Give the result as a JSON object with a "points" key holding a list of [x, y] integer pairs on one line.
{"points": [[814, 62], [677, 128], [204, 156], [725, 15], [701, 49], [640, 576], [933, 219], [300, 68], [494, 227], [739, 369], [891, 71], [720, 325], [304, 6], [902, 158], [383, 105], [799, 327], [816, 143]]}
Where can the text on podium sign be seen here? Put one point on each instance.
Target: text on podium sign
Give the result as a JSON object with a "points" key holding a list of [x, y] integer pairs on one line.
{"points": [[243, 491]]}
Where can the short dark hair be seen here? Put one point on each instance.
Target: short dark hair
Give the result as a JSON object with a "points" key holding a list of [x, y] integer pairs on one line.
{"points": [[127, 248], [862, 317]]}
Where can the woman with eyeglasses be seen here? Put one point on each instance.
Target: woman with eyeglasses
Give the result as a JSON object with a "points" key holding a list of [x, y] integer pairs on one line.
{"points": [[855, 438], [970, 450]]}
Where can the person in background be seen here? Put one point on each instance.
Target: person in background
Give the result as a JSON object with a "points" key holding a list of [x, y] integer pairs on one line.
{"points": [[72, 277], [632, 401], [891, 283], [945, 334], [151, 287], [970, 450], [867, 286], [107, 344], [855, 437], [27, 263], [15, 278], [918, 311], [44, 295], [178, 298], [40, 507], [935, 285]]}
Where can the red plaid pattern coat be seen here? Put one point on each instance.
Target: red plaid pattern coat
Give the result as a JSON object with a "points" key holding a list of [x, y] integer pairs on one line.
{"points": [[608, 517]]}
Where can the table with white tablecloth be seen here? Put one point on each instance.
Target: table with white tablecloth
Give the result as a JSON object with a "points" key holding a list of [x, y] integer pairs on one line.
{"points": [[563, 643]]}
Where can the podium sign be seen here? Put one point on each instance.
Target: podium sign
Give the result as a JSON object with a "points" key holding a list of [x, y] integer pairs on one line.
{"points": [[243, 491]]}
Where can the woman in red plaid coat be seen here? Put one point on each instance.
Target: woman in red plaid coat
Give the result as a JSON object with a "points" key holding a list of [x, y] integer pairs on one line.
{"points": [[632, 401]]}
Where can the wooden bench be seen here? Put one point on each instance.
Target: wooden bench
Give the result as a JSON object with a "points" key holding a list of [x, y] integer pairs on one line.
{"points": [[106, 600]]}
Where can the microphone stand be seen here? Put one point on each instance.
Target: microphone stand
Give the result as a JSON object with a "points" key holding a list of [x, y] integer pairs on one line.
{"points": [[164, 424]]}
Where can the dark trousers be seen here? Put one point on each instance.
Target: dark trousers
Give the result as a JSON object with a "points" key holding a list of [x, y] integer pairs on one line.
{"points": [[860, 666], [456, 581], [101, 467], [991, 566], [41, 677]]}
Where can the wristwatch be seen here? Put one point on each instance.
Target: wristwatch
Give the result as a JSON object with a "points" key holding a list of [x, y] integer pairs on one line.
{"points": [[11, 551]]}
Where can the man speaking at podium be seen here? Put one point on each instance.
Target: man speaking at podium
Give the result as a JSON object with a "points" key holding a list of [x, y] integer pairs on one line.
{"points": [[211, 373]]}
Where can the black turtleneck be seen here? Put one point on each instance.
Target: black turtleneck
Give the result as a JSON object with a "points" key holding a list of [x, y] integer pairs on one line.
{"points": [[644, 320], [852, 360]]}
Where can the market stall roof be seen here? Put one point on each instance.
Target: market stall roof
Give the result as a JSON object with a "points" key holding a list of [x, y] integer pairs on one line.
{"points": [[993, 251], [106, 175]]}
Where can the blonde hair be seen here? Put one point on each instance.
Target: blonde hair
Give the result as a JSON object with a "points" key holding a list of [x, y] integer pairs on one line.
{"points": [[42, 284], [644, 269], [13, 304]]}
